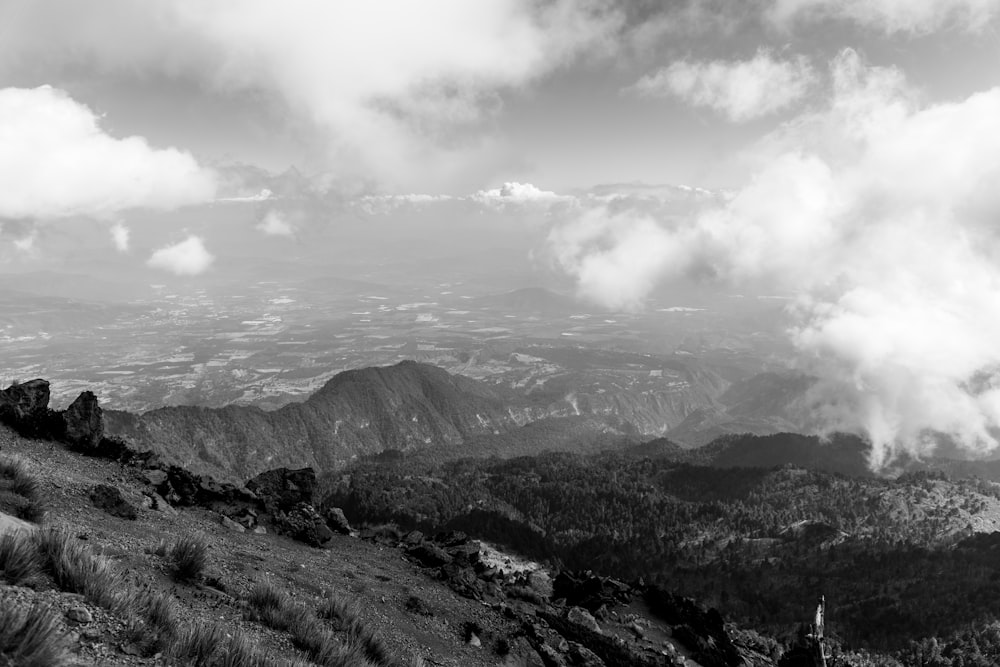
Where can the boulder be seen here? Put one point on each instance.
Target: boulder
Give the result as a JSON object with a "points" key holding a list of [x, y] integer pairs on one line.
{"points": [[466, 554], [79, 615], [25, 406], [158, 503], [303, 523], [452, 538], [11, 524], [283, 488], [111, 500], [429, 554], [589, 591], [551, 657], [336, 521], [413, 538], [581, 616], [230, 524], [84, 423], [581, 656]]}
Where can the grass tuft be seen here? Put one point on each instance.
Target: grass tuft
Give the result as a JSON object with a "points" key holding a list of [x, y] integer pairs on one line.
{"points": [[338, 611], [189, 558], [213, 646], [30, 637], [155, 621], [198, 644], [76, 570], [20, 561], [20, 491]]}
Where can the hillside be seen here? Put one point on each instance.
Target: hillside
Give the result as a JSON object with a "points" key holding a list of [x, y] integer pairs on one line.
{"points": [[360, 412], [118, 574], [752, 541]]}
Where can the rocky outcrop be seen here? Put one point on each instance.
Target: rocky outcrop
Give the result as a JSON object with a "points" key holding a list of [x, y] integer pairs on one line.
{"points": [[25, 407], [429, 554], [84, 423], [584, 589], [303, 523], [702, 631], [281, 489]]}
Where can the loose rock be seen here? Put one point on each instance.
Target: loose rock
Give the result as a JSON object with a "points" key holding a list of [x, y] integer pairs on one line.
{"points": [[111, 500]]}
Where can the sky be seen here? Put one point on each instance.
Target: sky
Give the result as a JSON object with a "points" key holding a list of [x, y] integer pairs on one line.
{"points": [[845, 153]]}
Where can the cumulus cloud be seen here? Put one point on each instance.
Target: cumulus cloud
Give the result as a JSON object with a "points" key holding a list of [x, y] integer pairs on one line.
{"points": [[120, 237], [880, 213], [187, 258], [276, 224], [740, 90], [892, 16], [388, 86], [56, 161]]}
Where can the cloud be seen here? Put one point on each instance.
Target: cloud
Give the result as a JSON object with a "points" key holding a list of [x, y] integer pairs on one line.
{"points": [[513, 193], [276, 224], [740, 90], [56, 161], [120, 236], [616, 260], [187, 258], [879, 212], [391, 89], [914, 17]]}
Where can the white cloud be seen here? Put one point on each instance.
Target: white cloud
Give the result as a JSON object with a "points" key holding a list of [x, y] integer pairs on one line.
{"points": [[120, 236], [513, 193], [616, 259], [892, 16], [187, 258], [56, 161], [389, 86], [740, 90], [880, 213], [276, 224], [26, 244]]}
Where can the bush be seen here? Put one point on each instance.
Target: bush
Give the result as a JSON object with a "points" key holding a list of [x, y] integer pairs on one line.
{"points": [[30, 637], [19, 558], [189, 558]]}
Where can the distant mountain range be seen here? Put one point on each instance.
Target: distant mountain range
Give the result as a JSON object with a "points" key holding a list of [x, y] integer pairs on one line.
{"points": [[359, 412], [413, 406]]}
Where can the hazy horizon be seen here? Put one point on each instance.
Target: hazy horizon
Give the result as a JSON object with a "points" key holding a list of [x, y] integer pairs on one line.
{"points": [[831, 164]]}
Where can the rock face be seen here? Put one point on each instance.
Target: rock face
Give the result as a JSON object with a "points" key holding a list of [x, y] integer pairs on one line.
{"points": [[84, 422], [25, 406], [281, 489], [111, 500]]}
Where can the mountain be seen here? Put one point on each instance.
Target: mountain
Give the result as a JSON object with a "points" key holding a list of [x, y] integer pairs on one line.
{"points": [[360, 412]]}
